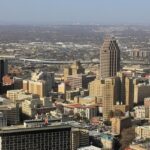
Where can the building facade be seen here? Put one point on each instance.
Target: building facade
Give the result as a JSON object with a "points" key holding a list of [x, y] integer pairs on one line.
{"points": [[109, 58], [56, 137]]}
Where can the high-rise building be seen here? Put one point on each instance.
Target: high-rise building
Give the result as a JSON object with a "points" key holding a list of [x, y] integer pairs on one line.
{"points": [[41, 83], [3, 68], [75, 69], [129, 90], [76, 81], [96, 90], [11, 111], [118, 124], [54, 137], [126, 89], [110, 95], [80, 138], [109, 58], [3, 120]]}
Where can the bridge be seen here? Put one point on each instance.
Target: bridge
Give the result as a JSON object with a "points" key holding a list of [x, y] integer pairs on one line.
{"points": [[55, 61]]}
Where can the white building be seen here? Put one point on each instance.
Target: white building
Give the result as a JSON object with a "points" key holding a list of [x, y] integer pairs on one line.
{"points": [[143, 131], [87, 111], [91, 147]]}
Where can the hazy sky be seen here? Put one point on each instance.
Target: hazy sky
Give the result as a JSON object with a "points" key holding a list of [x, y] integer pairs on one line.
{"points": [[75, 11]]}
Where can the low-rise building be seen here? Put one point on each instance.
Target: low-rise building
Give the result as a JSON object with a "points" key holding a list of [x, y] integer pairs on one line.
{"points": [[140, 112], [87, 111], [91, 147], [143, 131]]}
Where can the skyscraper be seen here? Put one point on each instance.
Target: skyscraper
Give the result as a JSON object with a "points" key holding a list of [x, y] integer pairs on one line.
{"points": [[109, 58], [110, 95], [3, 68]]}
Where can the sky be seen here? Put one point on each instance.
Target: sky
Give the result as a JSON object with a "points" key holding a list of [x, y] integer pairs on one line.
{"points": [[74, 12]]}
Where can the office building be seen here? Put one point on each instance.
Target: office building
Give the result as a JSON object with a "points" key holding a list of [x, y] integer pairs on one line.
{"points": [[29, 107], [71, 94], [143, 131], [147, 102], [18, 96], [141, 91], [109, 58], [74, 69], [33, 106], [35, 87], [3, 120], [91, 147], [120, 123], [75, 81], [80, 138], [3, 68], [53, 137], [11, 111], [129, 90], [110, 95], [96, 90], [18, 83], [63, 87], [141, 112], [87, 111], [41, 83]]}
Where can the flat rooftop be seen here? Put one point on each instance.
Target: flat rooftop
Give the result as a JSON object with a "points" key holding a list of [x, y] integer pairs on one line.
{"points": [[22, 128]]}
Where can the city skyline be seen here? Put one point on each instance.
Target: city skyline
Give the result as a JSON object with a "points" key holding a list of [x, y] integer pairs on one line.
{"points": [[74, 12]]}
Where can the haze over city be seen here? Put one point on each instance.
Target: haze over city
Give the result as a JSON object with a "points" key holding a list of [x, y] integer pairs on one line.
{"points": [[47, 12], [74, 75]]}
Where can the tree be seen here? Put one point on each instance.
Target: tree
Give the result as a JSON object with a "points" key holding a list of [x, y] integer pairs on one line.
{"points": [[77, 116], [127, 136], [83, 115]]}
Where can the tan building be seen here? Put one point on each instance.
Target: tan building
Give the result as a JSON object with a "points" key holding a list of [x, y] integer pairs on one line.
{"points": [[143, 131], [85, 100], [110, 95], [26, 85], [87, 111], [119, 123], [13, 94], [67, 72], [75, 69], [109, 58], [35, 87], [147, 102], [63, 87], [71, 94], [129, 90], [17, 96], [122, 108], [141, 91], [41, 83], [126, 89], [29, 105], [96, 90], [32, 106], [11, 112], [76, 81], [80, 138]]}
